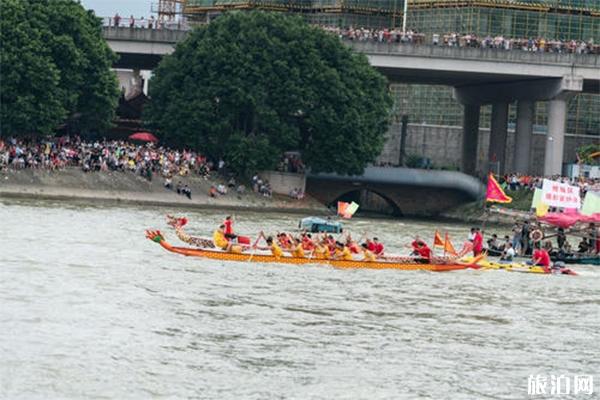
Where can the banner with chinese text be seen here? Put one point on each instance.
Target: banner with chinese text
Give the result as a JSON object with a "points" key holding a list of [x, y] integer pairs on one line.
{"points": [[557, 194]]}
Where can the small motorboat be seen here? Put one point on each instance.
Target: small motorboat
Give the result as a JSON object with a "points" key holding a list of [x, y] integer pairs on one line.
{"points": [[317, 224]]}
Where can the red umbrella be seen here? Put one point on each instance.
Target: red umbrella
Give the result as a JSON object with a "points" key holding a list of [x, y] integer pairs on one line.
{"points": [[144, 137]]}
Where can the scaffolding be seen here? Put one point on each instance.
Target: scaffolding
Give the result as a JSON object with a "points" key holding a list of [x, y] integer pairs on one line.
{"points": [[169, 10], [563, 20]]}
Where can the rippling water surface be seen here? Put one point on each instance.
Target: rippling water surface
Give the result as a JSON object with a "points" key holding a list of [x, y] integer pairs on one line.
{"points": [[91, 309]]}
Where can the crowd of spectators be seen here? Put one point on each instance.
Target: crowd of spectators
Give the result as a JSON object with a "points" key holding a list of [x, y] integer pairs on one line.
{"points": [[291, 162], [514, 182], [145, 160], [396, 35], [143, 23], [115, 155], [297, 193], [454, 39], [261, 186]]}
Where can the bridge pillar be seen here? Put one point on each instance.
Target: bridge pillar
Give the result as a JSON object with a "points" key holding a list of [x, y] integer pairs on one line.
{"points": [[470, 138], [498, 135], [555, 139], [523, 136]]}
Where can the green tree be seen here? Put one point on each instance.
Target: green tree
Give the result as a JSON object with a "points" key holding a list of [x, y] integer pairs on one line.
{"points": [[54, 68], [588, 154], [250, 86]]}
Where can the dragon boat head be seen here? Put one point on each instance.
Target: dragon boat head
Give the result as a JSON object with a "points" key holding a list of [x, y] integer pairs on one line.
{"points": [[176, 222]]}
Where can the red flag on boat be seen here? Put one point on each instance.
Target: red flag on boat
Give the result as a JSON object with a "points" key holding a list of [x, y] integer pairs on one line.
{"points": [[437, 240], [495, 193], [448, 247]]}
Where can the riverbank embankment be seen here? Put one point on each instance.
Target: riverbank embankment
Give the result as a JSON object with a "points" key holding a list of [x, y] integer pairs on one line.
{"points": [[72, 184]]}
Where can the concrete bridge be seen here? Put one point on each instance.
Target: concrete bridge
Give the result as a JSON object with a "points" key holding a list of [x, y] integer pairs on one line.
{"points": [[478, 76], [410, 192]]}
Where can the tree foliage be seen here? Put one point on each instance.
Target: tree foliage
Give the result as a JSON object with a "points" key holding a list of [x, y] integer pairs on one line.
{"points": [[589, 153], [54, 68], [250, 86]]}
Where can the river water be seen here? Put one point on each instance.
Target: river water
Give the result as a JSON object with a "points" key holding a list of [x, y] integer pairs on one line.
{"points": [[91, 309]]}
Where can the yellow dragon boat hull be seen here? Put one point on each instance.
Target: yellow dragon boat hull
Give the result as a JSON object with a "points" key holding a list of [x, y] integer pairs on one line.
{"points": [[484, 263], [157, 237]]}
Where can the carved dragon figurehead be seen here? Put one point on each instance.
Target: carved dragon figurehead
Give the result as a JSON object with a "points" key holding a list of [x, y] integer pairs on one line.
{"points": [[176, 222]]}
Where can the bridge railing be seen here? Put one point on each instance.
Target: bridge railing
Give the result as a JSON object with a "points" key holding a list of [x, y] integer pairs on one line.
{"points": [[170, 36], [174, 35], [474, 53]]}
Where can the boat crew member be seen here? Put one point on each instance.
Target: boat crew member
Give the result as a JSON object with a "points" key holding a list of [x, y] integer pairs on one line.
{"points": [[378, 247], [371, 246], [367, 254], [321, 251], [352, 245], [275, 249], [297, 250], [541, 257], [228, 223], [477, 242], [425, 253], [342, 252], [284, 240], [307, 242], [422, 251], [219, 239], [415, 246]]}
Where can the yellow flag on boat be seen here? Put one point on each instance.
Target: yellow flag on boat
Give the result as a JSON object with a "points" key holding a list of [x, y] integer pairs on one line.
{"points": [[347, 210], [537, 198], [541, 209], [537, 204]]}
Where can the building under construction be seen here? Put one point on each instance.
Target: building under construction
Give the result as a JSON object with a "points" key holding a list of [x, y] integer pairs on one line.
{"points": [[560, 20]]}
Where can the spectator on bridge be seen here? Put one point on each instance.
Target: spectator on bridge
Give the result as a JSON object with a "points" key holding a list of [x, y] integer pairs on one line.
{"points": [[151, 22], [131, 22], [117, 20]]}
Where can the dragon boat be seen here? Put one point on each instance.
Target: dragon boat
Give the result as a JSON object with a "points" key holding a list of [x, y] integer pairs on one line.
{"points": [[401, 263]]}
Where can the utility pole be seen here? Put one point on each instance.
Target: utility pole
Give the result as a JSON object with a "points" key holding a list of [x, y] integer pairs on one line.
{"points": [[404, 16]]}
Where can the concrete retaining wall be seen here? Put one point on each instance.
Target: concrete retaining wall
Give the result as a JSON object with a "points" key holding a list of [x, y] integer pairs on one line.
{"points": [[284, 182]]}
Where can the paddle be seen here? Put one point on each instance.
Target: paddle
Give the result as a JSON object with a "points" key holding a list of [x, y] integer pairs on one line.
{"points": [[260, 235]]}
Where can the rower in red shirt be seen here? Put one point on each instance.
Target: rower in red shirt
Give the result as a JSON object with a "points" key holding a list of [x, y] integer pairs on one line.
{"points": [[477, 241], [307, 242], [378, 247], [421, 250], [371, 246], [352, 245], [228, 227], [541, 258], [424, 252], [415, 245]]}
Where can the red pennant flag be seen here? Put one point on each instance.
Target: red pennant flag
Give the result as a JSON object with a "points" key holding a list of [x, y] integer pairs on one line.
{"points": [[495, 193]]}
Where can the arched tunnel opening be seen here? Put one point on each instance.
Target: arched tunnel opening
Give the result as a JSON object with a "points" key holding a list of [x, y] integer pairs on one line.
{"points": [[370, 202]]}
